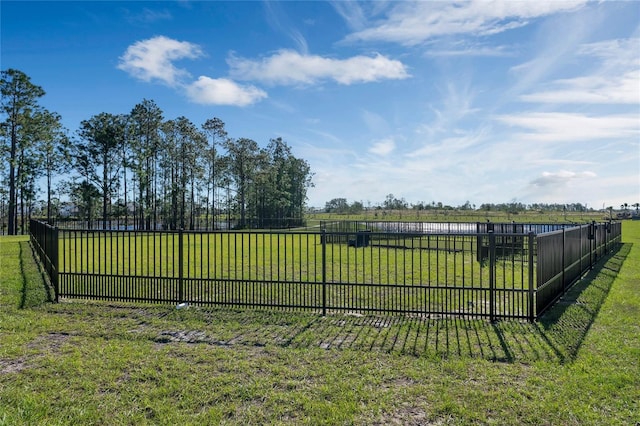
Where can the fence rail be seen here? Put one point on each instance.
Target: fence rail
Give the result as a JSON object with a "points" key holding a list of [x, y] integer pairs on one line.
{"points": [[462, 273]]}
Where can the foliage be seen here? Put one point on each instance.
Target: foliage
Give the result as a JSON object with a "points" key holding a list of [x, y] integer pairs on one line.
{"points": [[163, 174], [97, 157], [20, 105]]}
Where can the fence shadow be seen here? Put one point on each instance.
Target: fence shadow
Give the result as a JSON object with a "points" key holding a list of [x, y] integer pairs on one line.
{"points": [[565, 326], [35, 290], [556, 337]]}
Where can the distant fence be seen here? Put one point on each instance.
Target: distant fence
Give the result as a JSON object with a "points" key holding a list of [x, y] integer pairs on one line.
{"points": [[461, 272], [221, 223]]}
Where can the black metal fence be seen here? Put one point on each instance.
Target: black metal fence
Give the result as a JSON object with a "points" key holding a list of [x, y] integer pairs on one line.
{"points": [[565, 255], [466, 273]]}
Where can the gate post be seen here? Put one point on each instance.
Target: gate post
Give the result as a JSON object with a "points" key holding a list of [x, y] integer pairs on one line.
{"points": [[592, 245], [56, 262], [180, 266], [532, 314], [492, 276], [323, 239]]}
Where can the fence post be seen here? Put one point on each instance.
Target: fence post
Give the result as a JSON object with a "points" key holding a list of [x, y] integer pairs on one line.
{"points": [[592, 246], [180, 266], [492, 276], [581, 251], [323, 239], [56, 262], [564, 260], [532, 314]]}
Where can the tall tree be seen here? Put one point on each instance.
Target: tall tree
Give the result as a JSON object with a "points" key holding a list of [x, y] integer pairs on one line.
{"points": [[85, 197], [214, 128], [19, 102], [291, 178], [53, 150], [242, 155], [181, 169], [192, 143], [98, 157], [145, 121]]}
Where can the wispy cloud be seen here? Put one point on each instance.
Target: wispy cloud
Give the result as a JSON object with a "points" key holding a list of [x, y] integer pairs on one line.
{"points": [[467, 49], [457, 102], [148, 16], [563, 127], [279, 21], [622, 89], [152, 59], [615, 81], [352, 13], [287, 67], [561, 177], [411, 23]]}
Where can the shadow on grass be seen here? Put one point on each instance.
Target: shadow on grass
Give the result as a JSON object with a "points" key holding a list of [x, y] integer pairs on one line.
{"points": [[565, 326], [556, 337], [34, 286]]}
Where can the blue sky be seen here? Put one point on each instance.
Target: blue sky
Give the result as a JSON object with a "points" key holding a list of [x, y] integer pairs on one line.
{"points": [[529, 101]]}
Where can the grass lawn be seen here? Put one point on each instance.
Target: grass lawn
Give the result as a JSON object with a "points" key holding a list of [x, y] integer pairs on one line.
{"points": [[86, 362]]}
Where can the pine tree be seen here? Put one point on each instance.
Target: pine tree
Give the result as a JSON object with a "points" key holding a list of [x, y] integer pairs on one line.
{"points": [[19, 103]]}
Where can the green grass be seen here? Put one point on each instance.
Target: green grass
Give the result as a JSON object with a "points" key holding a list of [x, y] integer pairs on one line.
{"points": [[105, 363]]}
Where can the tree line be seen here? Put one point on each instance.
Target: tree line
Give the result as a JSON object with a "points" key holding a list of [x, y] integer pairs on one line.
{"points": [[391, 202], [141, 168]]}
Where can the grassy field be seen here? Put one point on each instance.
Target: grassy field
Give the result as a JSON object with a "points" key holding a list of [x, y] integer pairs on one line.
{"points": [[106, 363]]}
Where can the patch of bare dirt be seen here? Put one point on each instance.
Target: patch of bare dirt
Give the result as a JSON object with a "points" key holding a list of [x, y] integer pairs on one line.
{"points": [[192, 336], [47, 343], [8, 366]]}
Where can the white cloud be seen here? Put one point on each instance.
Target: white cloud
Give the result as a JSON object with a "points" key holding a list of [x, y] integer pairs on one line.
{"points": [[560, 178], [222, 91], [469, 50], [288, 67], [451, 147], [152, 59], [618, 52], [621, 89], [383, 147], [615, 81], [559, 127], [412, 23]]}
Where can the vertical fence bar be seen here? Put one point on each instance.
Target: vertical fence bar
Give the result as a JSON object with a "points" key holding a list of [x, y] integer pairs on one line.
{"points": [[532, 314], [180, 266], [324, 272], [56, 262], [564, 260], [492, 276]]}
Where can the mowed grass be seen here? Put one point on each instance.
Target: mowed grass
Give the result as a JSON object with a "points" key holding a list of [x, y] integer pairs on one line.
{"points": [[105, 363]]}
